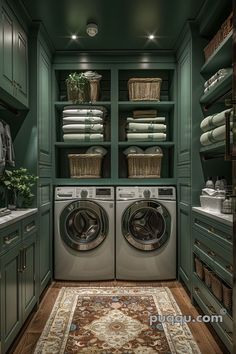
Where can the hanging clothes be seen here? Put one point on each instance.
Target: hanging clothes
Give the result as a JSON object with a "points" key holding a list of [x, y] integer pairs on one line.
{"points": [[7, 155]]}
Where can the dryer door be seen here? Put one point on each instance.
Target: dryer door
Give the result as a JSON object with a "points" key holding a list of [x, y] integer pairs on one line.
{"points": [[146, 225], [83, 225]]}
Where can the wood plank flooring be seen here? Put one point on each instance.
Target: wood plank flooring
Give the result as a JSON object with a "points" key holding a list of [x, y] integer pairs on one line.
{"points": [[203, 334]]}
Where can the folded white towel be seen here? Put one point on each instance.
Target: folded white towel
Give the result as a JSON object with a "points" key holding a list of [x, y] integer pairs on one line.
{"points": [[88, 120], [82, 112], [82, 137], [149, 127], [146, 120], [213, 136], [214, 120], [146, 136], [76, 128]]}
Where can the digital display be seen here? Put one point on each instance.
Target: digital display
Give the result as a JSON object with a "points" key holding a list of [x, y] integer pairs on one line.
{"points": [[165, 191], [103, 191]]}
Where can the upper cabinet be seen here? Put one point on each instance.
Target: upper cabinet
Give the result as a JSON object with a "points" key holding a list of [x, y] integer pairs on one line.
{"points": [[13, 59]]}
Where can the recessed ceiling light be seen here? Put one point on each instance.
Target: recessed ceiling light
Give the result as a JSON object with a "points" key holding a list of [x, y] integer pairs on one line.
{"points": [[73, 36], [151, 36]]}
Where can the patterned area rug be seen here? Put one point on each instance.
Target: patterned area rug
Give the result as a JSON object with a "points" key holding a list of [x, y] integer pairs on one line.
{"points": [[115, 320]]}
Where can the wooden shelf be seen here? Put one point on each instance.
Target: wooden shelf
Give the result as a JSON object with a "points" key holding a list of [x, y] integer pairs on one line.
{"points": [[82, 181], [213, 150], [81, 144], [147, 143], [163, 106], [61, 104], [221, 58], [218, 90], [146, 181]]}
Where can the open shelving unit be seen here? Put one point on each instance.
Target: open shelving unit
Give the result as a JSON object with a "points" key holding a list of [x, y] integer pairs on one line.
{"points": [[115, 98]]}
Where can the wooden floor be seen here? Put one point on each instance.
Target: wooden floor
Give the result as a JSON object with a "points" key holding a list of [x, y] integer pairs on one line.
{"points": [[204, 336]]}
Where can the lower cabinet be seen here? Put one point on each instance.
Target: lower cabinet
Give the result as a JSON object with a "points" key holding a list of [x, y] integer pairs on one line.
{"points": [[213, 273], [18, 270]]}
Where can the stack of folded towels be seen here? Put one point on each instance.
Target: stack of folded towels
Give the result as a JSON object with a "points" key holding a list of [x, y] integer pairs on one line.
{"points": [[146, 126], [213, 128], [83, 124], [216, 78]]}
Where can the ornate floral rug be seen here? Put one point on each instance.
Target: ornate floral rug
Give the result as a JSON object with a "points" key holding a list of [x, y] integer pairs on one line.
{"points": [[115, 320]]}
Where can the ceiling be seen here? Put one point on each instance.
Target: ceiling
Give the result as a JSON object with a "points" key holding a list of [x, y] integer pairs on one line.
{"points": [[123, 24]]}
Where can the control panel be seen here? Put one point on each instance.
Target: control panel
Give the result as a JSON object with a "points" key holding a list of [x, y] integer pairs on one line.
{"points": [[146, 192], [104, 193]]}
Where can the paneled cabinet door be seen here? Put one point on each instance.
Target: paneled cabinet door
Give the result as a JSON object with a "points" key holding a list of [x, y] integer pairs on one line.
{"points": [[11, 274], [29, 275], [44, 107], [21, 64]]}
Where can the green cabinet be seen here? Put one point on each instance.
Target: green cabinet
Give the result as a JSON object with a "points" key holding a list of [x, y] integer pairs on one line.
{"points": [[18, 273], [13, 58]]}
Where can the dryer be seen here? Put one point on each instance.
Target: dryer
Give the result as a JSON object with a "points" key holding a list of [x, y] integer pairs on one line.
{"points": [[84, 233], [146, 233]]}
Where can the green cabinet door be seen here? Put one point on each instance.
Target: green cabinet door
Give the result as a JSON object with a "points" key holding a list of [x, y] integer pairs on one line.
{"points": [[6, 49], [29, 275], [11, 274], [21, 64]]}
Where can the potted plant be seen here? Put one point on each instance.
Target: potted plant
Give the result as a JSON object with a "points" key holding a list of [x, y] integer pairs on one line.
{"points": [[18, 183], [78, 88]]}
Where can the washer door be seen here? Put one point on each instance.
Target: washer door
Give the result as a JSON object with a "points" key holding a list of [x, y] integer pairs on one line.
{"points": [[83, 225], [146, 225]]}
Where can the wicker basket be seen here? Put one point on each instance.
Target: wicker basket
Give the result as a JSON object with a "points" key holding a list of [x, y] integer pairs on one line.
{"points": [[227, 26], [144, 165], [94, 90], [207, 276], [199, 268], [227, 296], [85, 165], [216, 286], [144, 89]]}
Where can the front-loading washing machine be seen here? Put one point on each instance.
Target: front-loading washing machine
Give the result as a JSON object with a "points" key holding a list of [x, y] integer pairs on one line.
{"points": [[145, 233], [84, 235]]}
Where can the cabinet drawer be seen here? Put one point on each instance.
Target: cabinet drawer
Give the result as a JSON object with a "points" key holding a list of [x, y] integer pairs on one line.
{"points": [[29, 225], [10, 236], [210, 306], [221, 233], [212, 253]]}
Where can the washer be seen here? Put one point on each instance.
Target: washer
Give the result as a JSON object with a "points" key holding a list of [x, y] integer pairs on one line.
{"points": [[84, 233], [145, 233]]}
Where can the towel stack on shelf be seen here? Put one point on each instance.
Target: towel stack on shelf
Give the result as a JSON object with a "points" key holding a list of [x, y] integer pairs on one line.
{"points": [[146, 126], [216, 78], [213, 128], [83, 124]]}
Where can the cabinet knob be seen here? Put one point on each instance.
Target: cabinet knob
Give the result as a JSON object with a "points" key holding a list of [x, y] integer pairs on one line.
{"points": [[197, 290], [229, 267], [211, 230], [211, 253], [198, 243], [211, 309], [11, 238]]}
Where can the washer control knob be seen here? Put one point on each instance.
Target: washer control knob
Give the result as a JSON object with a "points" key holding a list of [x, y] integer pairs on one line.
{"points": [[84, 193], [147, 193]]}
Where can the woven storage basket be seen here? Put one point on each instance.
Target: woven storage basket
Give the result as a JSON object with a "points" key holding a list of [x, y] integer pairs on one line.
{"points": [[227, 296], [144, 165], [144, 89], [227, 25], [199, 268], [216, 287], [207, 276], [85, 165], [72, 93]]}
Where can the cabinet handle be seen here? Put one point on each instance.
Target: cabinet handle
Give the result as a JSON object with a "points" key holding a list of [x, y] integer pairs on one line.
{"points": [[211, 253], [10, 238], [229, 333], [20, 269], [30, 227], [211, 230], [24, 259], [198, 243], [197, 290], [229, 267], [211, 309]]}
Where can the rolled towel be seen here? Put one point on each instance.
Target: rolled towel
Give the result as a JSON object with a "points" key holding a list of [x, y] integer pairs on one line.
{"points": [[215, 120], [82, 112], [213, 136], [146, 120], [88, 120], [76, 128], [145, 113], [149, 127], [146, 136], [82, 137]]}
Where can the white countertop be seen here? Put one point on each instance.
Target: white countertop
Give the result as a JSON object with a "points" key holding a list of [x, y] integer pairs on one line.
{"points": [[226, 219], [16, 215]]}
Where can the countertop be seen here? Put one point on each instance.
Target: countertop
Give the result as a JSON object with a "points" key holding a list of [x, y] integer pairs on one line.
{"points": [[226, 219], [16, 215]]}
